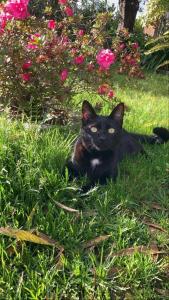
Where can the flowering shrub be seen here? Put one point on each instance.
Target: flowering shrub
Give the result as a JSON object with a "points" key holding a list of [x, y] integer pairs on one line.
{"points": [[43, 61], [129, 55]]}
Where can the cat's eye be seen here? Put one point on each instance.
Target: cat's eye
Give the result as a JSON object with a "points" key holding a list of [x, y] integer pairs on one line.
{"points": [[111, 130], [93, 129]]}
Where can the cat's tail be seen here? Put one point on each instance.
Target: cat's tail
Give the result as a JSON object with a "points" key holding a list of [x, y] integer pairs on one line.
{"points": [[161, 132], [160, 136]]}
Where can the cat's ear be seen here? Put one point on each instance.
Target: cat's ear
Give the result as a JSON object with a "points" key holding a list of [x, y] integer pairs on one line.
{"points": [[88, 112], [118, 113]]}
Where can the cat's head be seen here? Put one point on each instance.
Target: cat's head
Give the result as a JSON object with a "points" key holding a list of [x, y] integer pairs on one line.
{"points": [[101, 133]]}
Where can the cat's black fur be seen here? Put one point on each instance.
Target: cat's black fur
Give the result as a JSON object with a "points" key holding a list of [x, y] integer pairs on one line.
{"points": [[98, 154]]}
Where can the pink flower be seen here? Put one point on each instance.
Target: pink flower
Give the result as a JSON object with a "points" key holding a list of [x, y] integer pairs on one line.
{"points": [[3, 20], [18, 9], [78, 60], [34, 41], [127, 58], [27, 65], [31, 46], [62, 2], [26, 76], [64, 74], [122, 46], [103, 89], [81, 32], [1, 31], [105, 58], [35, 35], [51, 24], [2, 24], [4, 17], [132, 62], [135, 45], [64, 40], [68, 11], [110, 94]]}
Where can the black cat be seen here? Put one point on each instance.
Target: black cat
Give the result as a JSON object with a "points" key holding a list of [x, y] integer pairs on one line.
{"points": [[103, 143]]}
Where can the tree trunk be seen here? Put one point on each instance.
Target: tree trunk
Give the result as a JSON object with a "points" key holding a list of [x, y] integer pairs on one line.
{"points": [[128, 12]]}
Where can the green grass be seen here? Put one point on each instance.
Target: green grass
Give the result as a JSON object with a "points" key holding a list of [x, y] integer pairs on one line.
{"points": [[30, 179]]}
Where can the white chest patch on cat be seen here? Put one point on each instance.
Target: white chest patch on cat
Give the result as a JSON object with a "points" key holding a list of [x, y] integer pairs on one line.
{"points": [[95, 162]]}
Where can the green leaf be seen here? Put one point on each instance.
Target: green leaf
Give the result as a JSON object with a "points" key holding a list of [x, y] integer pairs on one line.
{"points": [[165, 63], [158, 48], [158, 39]]}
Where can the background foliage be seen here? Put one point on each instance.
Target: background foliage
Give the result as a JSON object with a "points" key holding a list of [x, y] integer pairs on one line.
{"points": [[156, 9], [158, 53]]}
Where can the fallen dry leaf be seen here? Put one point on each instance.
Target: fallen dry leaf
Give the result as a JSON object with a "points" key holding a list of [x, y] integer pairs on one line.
{"points": [[151, 250], [60, 262], [60, 253], [95, 241], [154, 226], [30, 236], [157, 206], [48, 239], [69, 209]]}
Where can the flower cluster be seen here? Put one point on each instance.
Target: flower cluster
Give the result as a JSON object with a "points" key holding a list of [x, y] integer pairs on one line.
{"points": [[129, 55], [66, 8]]}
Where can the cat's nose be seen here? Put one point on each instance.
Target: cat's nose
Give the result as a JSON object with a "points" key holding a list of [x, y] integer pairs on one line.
{"points": [[102, 138]]}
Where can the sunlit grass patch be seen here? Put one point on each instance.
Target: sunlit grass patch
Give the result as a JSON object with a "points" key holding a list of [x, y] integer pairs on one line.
{"points": [[32, 182]]}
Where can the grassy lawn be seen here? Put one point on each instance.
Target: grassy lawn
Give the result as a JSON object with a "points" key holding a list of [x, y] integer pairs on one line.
{"points": [[31, 183]]}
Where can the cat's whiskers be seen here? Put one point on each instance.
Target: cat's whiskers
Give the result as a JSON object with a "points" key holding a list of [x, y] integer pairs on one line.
{"points": [[95, 147], [92, 144]]}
